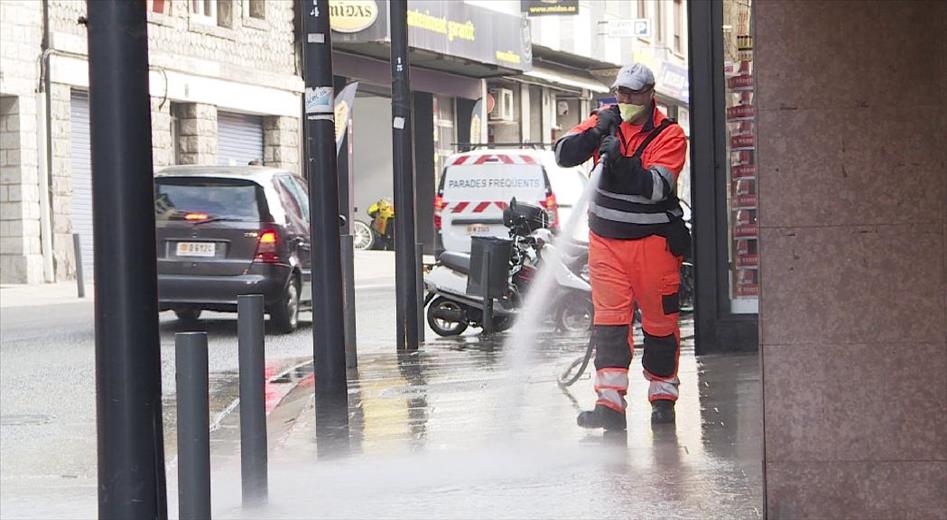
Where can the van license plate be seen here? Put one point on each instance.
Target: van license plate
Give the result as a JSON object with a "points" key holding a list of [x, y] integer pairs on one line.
{"points": [[207, 249], [478, 229]]}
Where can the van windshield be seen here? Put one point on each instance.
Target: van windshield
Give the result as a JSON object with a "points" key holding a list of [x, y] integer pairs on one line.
{"points": [[494, 182], [230, 199]]}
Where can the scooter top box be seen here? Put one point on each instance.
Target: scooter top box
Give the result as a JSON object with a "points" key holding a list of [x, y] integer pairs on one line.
{"points": [[529, 216]]}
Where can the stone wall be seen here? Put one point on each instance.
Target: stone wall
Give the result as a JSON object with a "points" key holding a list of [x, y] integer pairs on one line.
{"points": [[20, 247], [237, 45], [851, 162], [281, 142], [197, 138]]}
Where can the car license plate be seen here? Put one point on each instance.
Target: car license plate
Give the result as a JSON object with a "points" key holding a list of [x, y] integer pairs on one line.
{"points": [[206, 249], [478, 229]]}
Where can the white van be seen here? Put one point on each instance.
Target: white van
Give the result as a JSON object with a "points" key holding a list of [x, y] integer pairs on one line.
{"points": [[477, 186]]}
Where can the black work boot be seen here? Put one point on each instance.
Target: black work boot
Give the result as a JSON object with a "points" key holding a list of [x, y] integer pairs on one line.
{"points": [[662, 411], [602, 417]]}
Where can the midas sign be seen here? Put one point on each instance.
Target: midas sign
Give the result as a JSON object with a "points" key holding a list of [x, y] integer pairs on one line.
{"points": [[351, 16]]}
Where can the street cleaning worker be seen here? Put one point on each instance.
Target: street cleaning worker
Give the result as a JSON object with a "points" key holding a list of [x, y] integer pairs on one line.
{"points": [[637, 241]]}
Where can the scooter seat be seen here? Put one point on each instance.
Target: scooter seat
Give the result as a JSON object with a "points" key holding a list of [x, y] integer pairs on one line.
{"points": [[456, 261], [575, 255]]}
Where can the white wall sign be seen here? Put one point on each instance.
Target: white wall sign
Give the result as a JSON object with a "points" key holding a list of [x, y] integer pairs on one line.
{"points": [[639, 27]]}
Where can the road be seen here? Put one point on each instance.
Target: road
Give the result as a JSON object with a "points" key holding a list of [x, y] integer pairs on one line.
{"points": [[47, 381]]}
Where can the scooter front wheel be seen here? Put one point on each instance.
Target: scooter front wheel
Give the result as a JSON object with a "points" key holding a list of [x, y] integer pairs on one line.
{"points": [[440, 315], [575, 313]]}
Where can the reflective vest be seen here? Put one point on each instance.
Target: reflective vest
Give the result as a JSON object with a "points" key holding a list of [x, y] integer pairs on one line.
{"points": [[662, 146]]}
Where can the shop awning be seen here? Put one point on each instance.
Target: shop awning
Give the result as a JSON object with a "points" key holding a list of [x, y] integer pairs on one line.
{"points": [[568, 79]]}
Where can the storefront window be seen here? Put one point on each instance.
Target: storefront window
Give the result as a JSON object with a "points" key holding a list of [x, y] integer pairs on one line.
{"points": [[741, 153], [444, 134]]}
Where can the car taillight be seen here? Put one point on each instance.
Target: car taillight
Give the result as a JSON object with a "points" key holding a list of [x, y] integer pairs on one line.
{"points": [[439, 206], [552, 207], [195, 216], [266, 250]]}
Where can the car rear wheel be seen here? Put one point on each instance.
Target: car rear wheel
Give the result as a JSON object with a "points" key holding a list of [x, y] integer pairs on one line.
{"points": [[363, 236], [285, 314], [189, 315]]}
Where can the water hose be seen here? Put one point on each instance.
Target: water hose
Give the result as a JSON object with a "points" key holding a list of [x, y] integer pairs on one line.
{"points": [[566, 379]]}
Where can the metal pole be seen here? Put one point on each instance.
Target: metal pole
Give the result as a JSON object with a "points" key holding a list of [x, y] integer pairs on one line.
{"points": [[190, 360], [131, 475], [347, 247], [80, 276], [406, 269], [485, 289], [348, 297], [253, 471], [419, 254], [328, 327]]}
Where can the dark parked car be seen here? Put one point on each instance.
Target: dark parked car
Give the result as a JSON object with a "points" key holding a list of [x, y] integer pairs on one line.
{"points": [[226, 231]]}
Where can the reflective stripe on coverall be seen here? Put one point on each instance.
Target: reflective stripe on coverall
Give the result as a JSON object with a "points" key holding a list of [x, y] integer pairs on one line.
{"points": [[629, 259]]}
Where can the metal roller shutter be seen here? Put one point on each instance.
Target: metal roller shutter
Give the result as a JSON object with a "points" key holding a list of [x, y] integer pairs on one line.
{"points": [[81, 167], [239, 139]]}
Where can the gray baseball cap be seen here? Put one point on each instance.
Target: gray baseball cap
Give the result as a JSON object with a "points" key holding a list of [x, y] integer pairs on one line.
{"points": [[635, 76]]}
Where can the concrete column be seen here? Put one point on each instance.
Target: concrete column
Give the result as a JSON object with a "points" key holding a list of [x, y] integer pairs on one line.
{"points": [[524, 113], [853, 228], [60, 130], [281, 142], [21, 259], [197, 136], [162, 147]]}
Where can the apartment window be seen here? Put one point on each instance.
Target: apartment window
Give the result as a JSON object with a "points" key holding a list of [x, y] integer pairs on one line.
{"points": [[204, 11], [258, 9], [678, 26], [160, 6], [225, 10]]}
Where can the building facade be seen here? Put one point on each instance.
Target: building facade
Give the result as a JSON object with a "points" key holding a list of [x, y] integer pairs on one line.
{"points": [[225, 89]]}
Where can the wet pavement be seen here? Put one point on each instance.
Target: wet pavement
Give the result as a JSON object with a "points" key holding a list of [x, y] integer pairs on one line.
{"points": [[455, 431]]}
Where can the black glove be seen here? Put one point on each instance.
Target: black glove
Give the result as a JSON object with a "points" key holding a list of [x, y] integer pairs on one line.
{"points": [[627, 176], [610, 146], [608, 118]]}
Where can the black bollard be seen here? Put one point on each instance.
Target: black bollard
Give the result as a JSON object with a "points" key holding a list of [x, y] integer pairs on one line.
{"points": [[80, 276], [420, 291], [190, 350], [348, 300], [253, 457]]}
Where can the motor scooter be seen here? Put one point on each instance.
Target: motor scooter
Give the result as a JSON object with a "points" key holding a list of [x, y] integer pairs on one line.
{"points": [[451, 310]]}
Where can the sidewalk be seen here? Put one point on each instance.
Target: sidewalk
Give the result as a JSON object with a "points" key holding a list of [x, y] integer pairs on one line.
{"points": [[15, 295], [453, 431], [372, 269]]}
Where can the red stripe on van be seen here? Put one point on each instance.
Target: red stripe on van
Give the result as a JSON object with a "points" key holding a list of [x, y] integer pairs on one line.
{"points": [[461, 160], [461, 206], [527, 159], [482, 206], [502, 205]]}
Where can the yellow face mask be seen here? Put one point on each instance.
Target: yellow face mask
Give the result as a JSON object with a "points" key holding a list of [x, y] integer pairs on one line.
{"points": [[629, 111]]}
